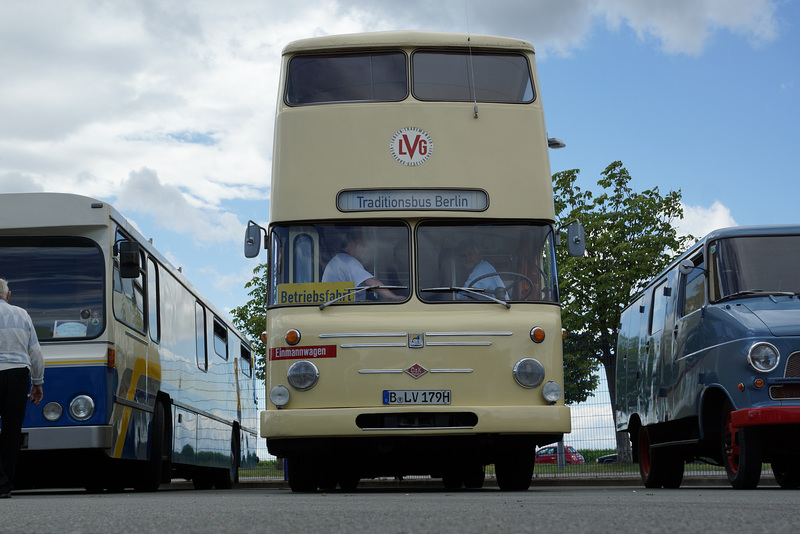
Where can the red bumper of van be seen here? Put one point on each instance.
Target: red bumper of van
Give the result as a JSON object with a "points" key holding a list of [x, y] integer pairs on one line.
{"points": [[773, 415]]}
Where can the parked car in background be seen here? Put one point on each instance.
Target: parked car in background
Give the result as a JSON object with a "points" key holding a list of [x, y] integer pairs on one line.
{"points": [[606, 459], [549, 455]]}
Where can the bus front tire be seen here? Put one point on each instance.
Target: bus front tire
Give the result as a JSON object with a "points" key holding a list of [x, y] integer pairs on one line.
{"points": [[149, 478], [787, 472], [515, 474], [302, 474]]}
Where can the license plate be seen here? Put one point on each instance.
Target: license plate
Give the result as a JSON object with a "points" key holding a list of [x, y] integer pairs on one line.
{"points": [[416, 396]]}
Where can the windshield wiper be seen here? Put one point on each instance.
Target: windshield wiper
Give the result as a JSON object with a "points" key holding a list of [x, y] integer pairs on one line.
{"points": [[471, 290], [356, 290], [756, 293]]}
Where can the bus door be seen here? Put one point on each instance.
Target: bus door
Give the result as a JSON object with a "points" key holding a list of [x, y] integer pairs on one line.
{"points": [[136, 388]]}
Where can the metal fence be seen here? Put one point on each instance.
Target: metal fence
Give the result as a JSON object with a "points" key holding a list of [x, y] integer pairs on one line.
{"points": [[593, 437]]}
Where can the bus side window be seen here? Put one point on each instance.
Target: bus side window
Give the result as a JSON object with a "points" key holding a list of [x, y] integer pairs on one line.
{"points": [[659, 311], [693, 287], [200, 336], [220, 339], [153, 300], [247, 361]]}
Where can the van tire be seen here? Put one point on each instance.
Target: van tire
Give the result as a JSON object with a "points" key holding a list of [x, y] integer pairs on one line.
{"points": [[741, 452]]}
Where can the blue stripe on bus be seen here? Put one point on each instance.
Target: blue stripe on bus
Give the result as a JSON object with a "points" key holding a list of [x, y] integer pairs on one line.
{"points": [[63, 384]]}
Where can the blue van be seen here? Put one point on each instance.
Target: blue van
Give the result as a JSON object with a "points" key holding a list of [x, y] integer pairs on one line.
{"points": [[708, 360]]}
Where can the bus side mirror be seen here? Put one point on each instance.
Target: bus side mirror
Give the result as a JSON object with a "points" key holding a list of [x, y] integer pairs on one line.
{"points": [[686, 267], [252, 240], [576, 239], [129, 259]]}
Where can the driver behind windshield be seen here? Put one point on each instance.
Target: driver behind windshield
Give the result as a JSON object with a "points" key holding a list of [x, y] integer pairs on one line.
{"points": [[473, 260], [347, 266]]}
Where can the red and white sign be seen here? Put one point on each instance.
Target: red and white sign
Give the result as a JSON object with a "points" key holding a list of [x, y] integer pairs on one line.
{"points": [[411, 146], [302, 353]]}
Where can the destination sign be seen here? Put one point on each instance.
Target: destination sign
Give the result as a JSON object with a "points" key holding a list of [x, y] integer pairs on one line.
{"points": [[413, 200]]}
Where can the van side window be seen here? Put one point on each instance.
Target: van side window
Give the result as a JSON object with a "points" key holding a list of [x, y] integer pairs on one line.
{"points": [[659, 313], [693, 287]]}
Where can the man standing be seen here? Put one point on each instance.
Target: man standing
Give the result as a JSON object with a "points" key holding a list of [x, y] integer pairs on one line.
{"points": [[20, 358]]}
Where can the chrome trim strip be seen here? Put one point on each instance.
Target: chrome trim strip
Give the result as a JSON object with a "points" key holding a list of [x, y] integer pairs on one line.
{"points": [[137, 338], [420, 428], [387, 334], [379, 371], [458, 344], [469, 333], [131, 404], [203, 413], [450, 371], [362, 345]]}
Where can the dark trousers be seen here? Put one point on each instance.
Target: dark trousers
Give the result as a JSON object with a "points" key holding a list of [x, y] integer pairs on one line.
{"points": [[14, 388]]}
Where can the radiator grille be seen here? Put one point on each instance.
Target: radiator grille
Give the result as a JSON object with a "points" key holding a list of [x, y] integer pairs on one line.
{"points": [[788, 391]]}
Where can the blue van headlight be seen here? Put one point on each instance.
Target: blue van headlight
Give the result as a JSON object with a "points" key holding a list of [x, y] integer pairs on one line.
{"points": [[763, 357]]}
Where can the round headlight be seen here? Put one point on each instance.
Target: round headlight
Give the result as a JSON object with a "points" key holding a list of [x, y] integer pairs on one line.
{"points": [[763, 357], [528, 373], [279, 395], [52, 411], [302, 375], [551, 392], [81, 408]]}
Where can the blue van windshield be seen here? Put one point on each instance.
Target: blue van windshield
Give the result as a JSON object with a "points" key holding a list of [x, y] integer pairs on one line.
{"points": [[757, 264]]}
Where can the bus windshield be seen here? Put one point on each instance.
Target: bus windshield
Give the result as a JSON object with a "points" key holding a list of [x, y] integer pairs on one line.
{"points": [[469, 261], [756, 265], [313, 264], [58, 281]]}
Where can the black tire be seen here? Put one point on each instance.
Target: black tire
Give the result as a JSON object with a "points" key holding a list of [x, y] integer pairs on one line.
{"points": [[474, 476], [226, 478], [658, 468], [203, 479], [149, 476], [515, 473], [649, 470], [741, 452], [787, 472], [303, 475], [349, 482]]}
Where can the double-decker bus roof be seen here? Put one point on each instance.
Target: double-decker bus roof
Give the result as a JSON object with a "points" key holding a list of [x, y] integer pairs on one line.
{"points": [[404, 39]]}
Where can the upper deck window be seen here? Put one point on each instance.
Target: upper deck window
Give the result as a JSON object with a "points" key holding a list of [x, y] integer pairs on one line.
{"points": [[353, 77], [465, 76]]}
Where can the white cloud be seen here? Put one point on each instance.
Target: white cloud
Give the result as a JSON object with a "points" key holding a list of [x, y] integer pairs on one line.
{"points": [[699, 220], [171, 208]]}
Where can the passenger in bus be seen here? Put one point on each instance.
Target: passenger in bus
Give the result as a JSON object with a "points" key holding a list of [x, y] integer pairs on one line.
{"points": [[346, 266], [20, 358], [473, 260]]}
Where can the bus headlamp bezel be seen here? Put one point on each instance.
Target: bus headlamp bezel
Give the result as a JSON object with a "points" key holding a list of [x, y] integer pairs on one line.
{"points": [[302, 375], [81, 408]]}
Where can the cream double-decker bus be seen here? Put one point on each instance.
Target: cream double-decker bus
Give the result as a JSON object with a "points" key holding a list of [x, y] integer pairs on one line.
{"points": [[413, 318]]}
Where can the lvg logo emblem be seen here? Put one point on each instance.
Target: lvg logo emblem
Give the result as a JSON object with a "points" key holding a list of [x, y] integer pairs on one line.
{"points": [[411, 146]]}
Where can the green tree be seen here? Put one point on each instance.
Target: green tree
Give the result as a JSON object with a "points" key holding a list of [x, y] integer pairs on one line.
{"points": [[630, 238], [252, 317]]}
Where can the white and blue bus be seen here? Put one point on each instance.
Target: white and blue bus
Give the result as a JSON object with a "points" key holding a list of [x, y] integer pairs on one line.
{"points": [[144, 379]]}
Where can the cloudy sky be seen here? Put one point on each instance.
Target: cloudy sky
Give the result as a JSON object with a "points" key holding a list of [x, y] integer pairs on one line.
{"points": [[165, 107]]}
